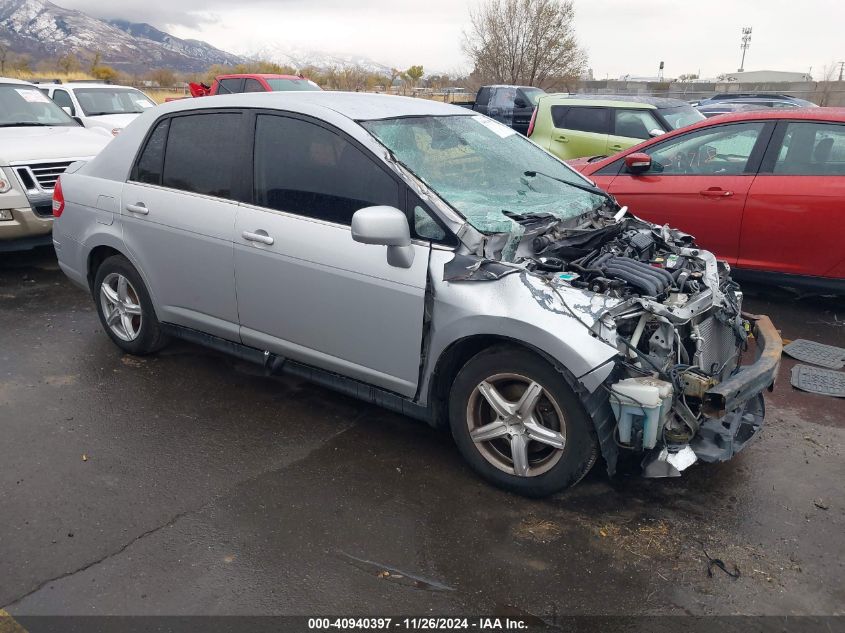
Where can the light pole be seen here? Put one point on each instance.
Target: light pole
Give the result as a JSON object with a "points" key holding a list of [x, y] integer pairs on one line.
{"points": [[841, 64], [746, 42]]}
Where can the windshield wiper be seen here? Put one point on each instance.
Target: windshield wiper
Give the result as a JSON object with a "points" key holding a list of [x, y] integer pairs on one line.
{"points": [[583, 186], [27, 124], [102, 113]]}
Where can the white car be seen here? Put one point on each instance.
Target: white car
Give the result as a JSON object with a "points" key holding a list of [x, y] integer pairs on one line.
{"points": [[38, 142], [99, 105]]}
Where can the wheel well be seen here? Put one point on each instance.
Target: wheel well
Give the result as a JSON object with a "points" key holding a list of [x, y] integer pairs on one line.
{"points": [[453, 359], [96, 258]]}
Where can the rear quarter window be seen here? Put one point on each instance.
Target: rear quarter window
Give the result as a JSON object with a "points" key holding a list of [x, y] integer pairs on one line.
{"points": [[151, 161]]}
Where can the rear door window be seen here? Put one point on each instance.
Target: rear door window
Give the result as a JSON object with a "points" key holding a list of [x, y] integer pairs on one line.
{"points": [[253, 85], [503, 98], [483, 97], [812, 149], [151, 162], [204, 154], [310, 170], [595, 120], [230, 86]]}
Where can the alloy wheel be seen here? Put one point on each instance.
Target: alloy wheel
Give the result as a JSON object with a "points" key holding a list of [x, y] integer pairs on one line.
{"points": [[121, 307], [516, 424]]}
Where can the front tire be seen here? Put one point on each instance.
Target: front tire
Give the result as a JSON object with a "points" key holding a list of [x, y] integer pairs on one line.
{"points": [[125, 309], [519, 424]]}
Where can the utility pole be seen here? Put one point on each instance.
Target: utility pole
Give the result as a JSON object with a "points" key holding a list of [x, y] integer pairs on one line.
{"points": [[746, 42]]}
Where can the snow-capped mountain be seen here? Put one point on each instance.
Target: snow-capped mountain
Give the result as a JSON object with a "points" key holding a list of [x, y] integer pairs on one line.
{"points": [[44, 30], [299, 58]]}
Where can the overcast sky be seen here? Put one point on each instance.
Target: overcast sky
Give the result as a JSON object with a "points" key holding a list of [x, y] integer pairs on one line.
{"points": [[620, 36]]}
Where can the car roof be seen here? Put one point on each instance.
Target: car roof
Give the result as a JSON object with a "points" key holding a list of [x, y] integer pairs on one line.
{"points": [[17, 82], [90, 84], [356, 106], [616, 101], [510, 86], [262, 75]]}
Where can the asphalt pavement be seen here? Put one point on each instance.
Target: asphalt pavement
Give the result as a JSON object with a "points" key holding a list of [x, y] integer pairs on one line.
{"points": [[190, 483]]}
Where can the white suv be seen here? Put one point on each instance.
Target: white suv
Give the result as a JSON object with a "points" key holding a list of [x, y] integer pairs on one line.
{"points": [[99, 105], [37, 143]]}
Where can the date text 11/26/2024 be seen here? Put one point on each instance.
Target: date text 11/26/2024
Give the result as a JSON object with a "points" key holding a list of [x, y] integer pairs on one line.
{"points": [[418, 624]]}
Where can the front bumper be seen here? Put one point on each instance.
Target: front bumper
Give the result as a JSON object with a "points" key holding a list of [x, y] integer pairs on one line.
{"points": [[25, 230], [735, 410]]}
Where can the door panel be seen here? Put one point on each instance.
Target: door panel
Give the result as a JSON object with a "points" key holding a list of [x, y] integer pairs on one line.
{"points": [[182, 243], [794, 220], [579, 131], [794, 224], [178, 212], [697, 205], [317, 296]]}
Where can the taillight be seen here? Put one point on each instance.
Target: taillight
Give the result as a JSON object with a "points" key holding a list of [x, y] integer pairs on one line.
{"points": [[58, 199], [531, 125]]}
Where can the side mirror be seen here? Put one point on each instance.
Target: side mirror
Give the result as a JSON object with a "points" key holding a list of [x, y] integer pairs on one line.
{"points": [[68, 110], [386, 226], [637, 163], [656, 132], [519, 103]]}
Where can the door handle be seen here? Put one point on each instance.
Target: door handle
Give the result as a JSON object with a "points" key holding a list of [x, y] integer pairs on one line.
{"points": [[139, 208], [715, 192], [615, 147], [562, 139], [259, 236]]}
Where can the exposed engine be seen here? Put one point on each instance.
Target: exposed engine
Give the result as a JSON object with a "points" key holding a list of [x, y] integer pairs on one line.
{"points": [[677, 322]]}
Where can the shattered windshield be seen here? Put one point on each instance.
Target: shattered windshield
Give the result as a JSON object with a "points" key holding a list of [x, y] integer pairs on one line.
{"points": [[482, 169]]}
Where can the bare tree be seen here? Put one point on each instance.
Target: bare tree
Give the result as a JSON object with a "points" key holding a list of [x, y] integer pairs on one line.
{"points": [[524, 41], [4, 55], [823, 94]]}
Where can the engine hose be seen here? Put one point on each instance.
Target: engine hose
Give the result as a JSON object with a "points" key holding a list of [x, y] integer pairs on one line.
{"points": [[585, 271], [600, 260]]}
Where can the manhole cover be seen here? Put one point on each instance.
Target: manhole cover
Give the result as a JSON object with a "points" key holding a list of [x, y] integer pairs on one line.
{"points": [[817, 380], [816, 353]]}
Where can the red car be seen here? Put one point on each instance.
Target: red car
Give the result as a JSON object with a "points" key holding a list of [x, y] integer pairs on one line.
{"points": [[763, 190], [252, 82]]}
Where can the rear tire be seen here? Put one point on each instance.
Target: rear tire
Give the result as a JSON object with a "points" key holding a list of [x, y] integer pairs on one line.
{"points": [[125, 309], [519, 424]]}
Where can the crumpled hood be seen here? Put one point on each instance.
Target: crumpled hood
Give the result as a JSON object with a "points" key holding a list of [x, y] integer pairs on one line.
{"points": [[22, 144], [110, 121]]}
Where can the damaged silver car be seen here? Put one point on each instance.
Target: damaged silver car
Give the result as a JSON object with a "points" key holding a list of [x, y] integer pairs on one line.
{"points": [[426, 259]]}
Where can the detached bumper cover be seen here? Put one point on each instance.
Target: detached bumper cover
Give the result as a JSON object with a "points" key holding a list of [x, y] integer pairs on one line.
{"points": [[750, 380]]}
